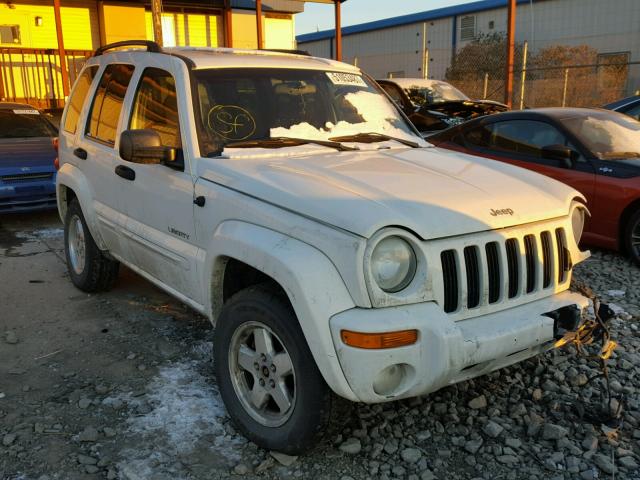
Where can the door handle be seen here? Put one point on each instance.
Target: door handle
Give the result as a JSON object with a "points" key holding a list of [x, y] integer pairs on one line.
{"points": [[126, 172], [605, 169], [81, 153]]}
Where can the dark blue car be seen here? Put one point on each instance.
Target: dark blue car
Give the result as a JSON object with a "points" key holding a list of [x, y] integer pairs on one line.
{"points": [[27, 154], [629, 106]]}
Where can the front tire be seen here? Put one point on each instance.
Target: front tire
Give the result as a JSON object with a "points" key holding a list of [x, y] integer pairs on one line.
{"points": [[632, 237], [266, 374], [90, 270]]}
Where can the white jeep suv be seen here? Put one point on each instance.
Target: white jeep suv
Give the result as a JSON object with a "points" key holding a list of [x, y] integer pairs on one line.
{"points": [[335, 251]]}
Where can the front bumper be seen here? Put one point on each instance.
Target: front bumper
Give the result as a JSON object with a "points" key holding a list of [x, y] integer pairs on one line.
{"points": [[27, 197], [446, 351]]}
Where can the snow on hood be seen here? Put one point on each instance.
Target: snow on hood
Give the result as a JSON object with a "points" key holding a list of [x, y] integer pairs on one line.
{"points": [[434, 192], [377, 113]]}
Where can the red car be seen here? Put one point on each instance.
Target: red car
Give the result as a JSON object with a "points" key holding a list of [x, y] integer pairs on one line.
{"points": [[595, 151]]}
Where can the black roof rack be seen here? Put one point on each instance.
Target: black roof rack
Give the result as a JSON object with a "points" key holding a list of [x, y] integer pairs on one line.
{"points": [[284, 50], [151, 46]]}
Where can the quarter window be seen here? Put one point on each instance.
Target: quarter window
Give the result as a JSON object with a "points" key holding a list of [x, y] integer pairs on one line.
{"points": [[78, 97], [156, 106], [107, 103]]}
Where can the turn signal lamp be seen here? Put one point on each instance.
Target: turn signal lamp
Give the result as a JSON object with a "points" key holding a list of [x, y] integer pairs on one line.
{"points": [[374, 341], [56, 161]]}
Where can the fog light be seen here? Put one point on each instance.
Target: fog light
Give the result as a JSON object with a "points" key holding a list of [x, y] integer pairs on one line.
{"points": [[392, 380]]}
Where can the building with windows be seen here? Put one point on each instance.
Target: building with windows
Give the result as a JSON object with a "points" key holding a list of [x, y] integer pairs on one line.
{"points": [[423, 44], [30, 66]]}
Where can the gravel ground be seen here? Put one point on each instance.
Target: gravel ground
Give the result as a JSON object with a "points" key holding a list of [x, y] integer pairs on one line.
{"points": [[120, 385]]}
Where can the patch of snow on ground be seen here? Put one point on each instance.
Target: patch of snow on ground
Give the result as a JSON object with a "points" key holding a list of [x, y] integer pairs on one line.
{"points": [[185, 407], [617, 309], [616, 293], [42, 233], [185, 417]]}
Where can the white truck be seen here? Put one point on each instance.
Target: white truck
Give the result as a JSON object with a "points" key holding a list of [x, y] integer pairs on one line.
{"points": [[336, 252]]}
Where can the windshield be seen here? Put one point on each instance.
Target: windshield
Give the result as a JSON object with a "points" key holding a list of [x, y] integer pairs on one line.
{"points": [[240, 105], [437, 92], [24, 123], [608, 135]]}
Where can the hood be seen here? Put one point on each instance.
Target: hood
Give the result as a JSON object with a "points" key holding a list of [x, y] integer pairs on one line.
{"points": [[467, 109], [18, 153], [433, 192]]}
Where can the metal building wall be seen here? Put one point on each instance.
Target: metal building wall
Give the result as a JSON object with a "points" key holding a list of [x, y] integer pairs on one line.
{"points": [[440, 46], [319, 48], [608, 26], [396, 51]]}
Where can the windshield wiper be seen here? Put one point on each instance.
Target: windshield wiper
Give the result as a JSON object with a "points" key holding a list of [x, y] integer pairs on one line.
{"points": [[372, 137], [279, 142]]}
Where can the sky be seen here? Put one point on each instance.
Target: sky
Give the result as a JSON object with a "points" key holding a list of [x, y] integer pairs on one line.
{"points": [[320, 16]]}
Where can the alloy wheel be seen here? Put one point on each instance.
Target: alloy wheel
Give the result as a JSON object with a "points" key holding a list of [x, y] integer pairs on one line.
{"points": [[77, 244], [262, 374]]}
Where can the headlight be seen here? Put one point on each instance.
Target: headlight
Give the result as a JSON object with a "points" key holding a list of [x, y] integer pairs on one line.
{"points": [[577, 221], [393, 264]]}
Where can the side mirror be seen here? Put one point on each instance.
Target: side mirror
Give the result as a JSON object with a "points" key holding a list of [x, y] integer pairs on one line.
{"points": [[145, 146], [565, 155]]}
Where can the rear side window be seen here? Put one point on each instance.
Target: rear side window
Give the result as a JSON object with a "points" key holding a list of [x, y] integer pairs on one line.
{"points": [[479, 137], [78, 97], [107, 103], [156, 106], [525, 137]]}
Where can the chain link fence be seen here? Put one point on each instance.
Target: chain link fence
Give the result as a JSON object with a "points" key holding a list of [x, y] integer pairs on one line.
{"points": [[556, 75]]}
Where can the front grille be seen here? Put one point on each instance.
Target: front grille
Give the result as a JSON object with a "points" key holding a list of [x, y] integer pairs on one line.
{"points": [[547, 258], [563, 255], [26, 177], [450, 280], [473, 276], [513, 267], [531, 260], [508, 269], [493, 269]]}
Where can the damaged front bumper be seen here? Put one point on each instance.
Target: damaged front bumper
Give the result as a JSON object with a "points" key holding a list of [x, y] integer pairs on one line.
{"points": [[446, 351]]}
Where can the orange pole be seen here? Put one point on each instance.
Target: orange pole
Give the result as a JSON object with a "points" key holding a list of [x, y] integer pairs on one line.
{"points": [[228, 32], [259, 22], [338, 28], [511, 44], [61, 52], [1, 79], [156, 20]]}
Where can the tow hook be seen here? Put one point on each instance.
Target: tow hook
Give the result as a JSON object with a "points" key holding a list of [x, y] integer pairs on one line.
{"points": [[567, 319]]}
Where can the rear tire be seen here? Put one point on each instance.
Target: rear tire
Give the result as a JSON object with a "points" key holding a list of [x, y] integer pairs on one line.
{"points": [[90, 270], [263, 364], [632, 237]]}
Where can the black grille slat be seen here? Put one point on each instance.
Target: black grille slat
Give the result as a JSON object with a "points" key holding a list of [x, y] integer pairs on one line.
{"points": [[450, 280], [473, 276], [512, 266], [26, 177], [531, 260], [493, 269], [547, 258], [563, 255]]}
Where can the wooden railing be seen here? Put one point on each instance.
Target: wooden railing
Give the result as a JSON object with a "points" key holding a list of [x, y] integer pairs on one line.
{"points": [[33, 75]]}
